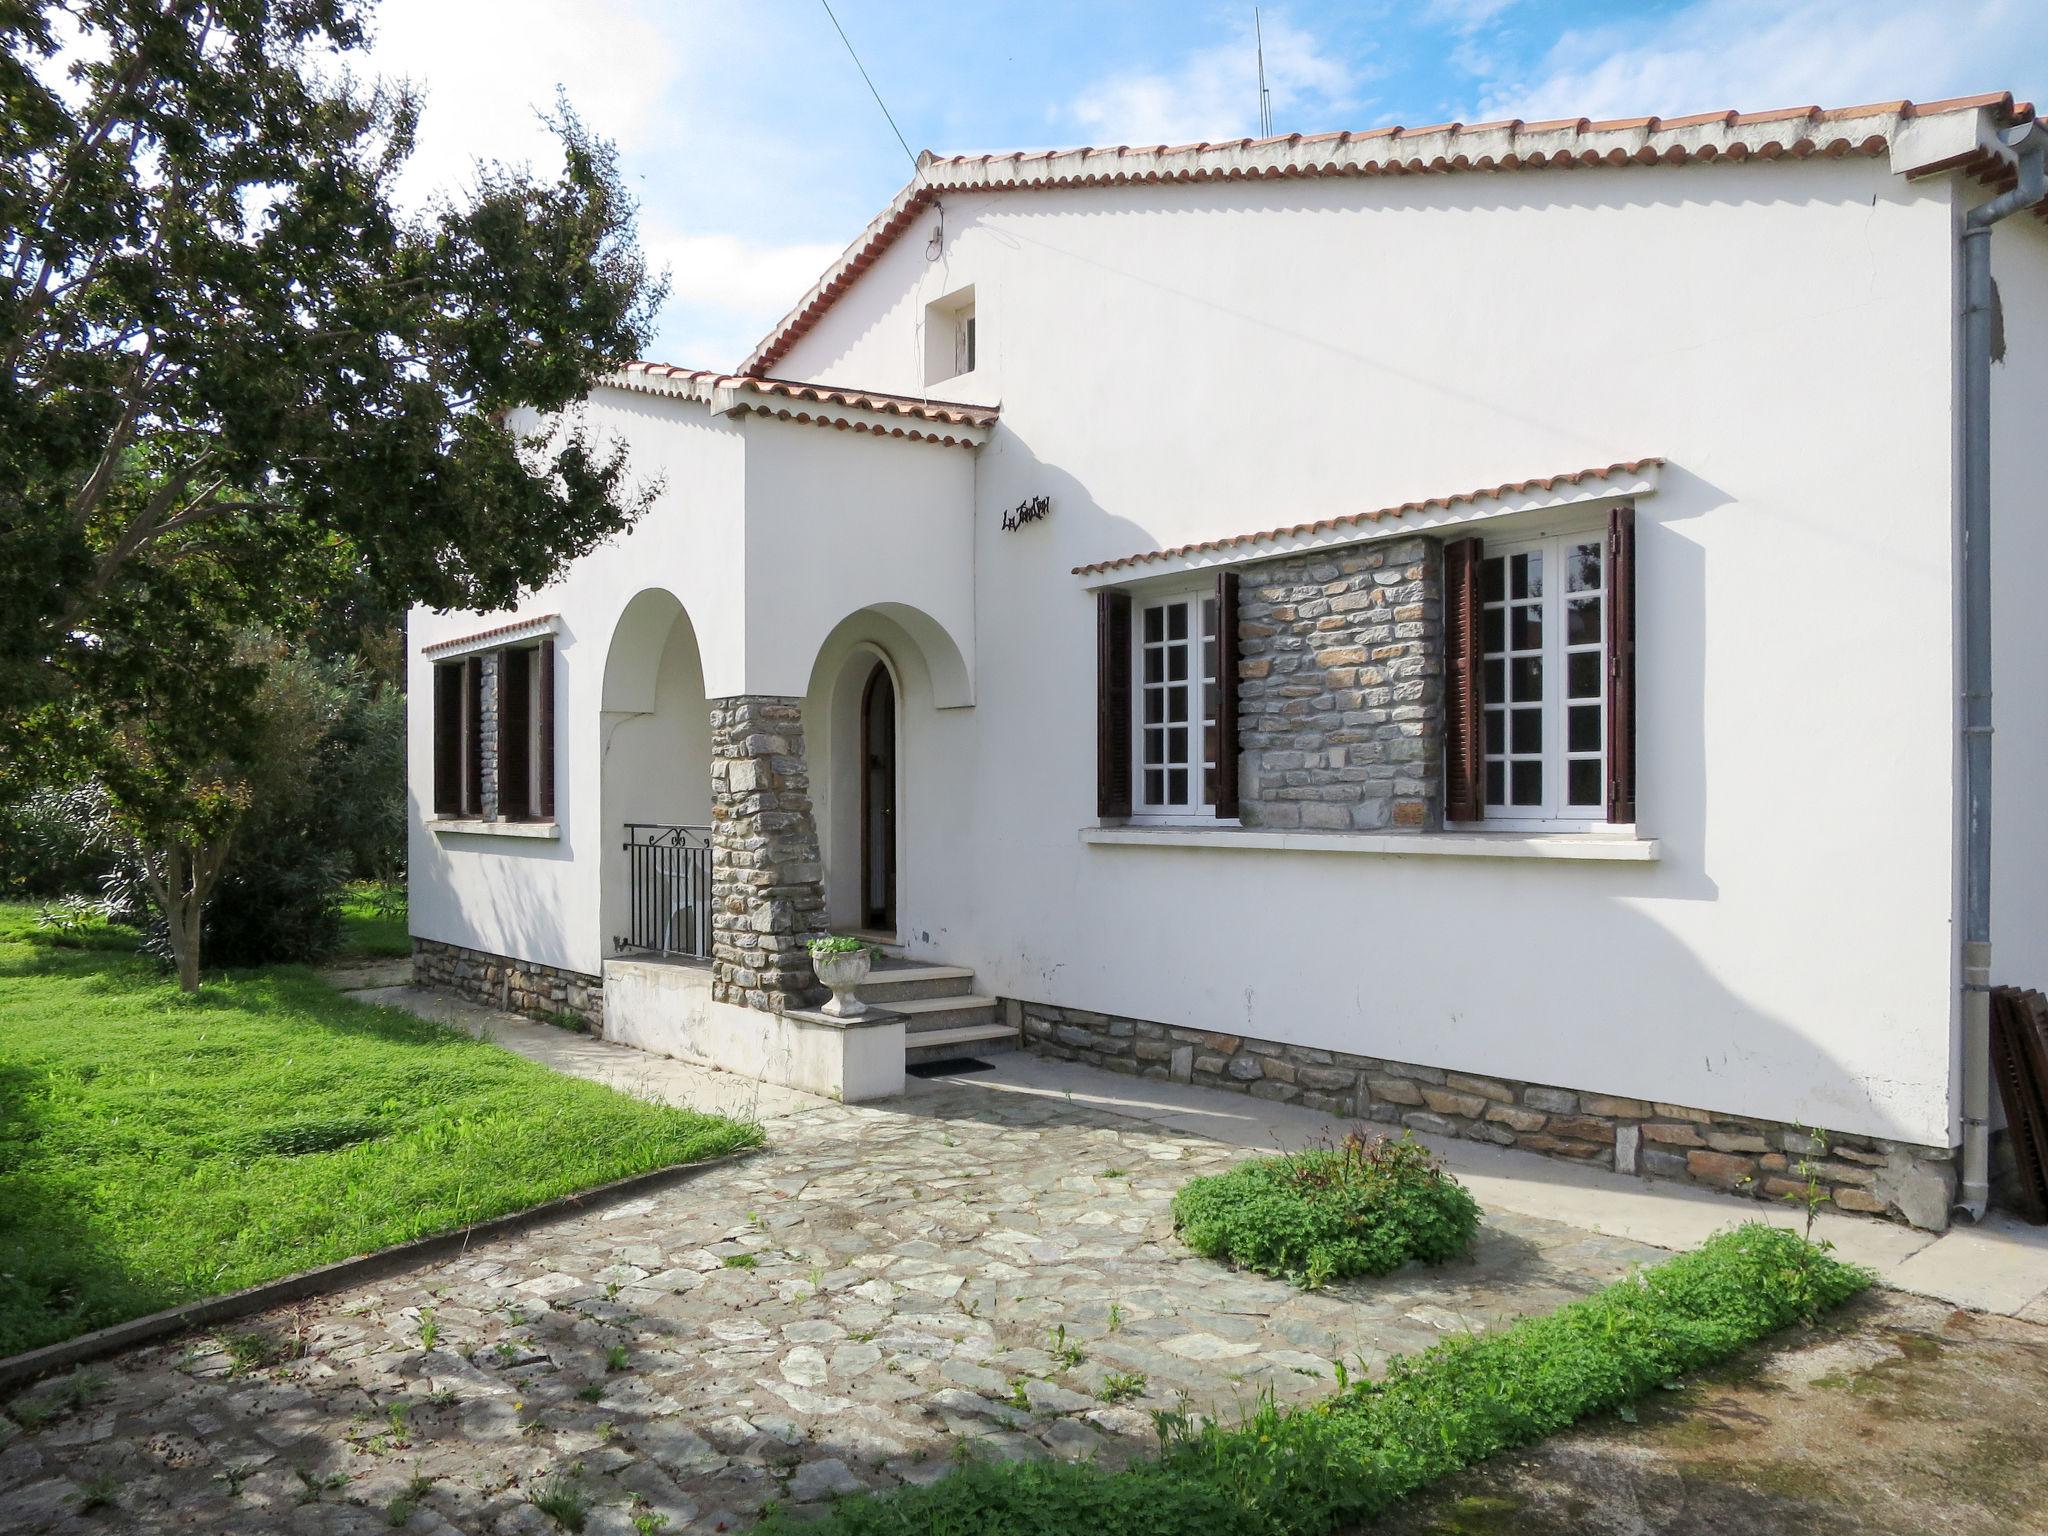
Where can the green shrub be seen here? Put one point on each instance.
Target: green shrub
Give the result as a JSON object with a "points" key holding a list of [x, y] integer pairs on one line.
{"points": [[1364, 1207], [1335, 1463]]}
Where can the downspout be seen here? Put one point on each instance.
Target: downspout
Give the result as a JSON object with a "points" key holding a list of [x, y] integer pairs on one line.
{"points": [[2029, 146]]}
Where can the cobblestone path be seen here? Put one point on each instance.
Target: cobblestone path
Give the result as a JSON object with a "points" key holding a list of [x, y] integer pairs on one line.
{"points": [[880, 1290]]}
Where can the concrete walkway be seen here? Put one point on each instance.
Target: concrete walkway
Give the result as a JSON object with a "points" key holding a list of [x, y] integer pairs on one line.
{"points": [[2000, 1266]]}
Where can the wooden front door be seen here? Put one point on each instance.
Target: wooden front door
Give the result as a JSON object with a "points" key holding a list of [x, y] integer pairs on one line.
{"points": [[878, 802]]}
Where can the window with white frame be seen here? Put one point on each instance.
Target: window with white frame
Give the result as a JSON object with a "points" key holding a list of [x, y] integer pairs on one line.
{"points": [[1174, 698], [1543, 626]]}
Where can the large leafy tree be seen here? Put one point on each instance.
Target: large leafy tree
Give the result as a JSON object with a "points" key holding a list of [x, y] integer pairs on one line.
{"points": [[240, 377]]}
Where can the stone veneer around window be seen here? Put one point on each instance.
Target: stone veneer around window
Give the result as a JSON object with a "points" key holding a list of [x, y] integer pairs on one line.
{"points": [[1340, 679]]}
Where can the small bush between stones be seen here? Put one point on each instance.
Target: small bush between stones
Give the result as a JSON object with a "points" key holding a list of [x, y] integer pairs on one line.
{"points": [[1365, 1206]]}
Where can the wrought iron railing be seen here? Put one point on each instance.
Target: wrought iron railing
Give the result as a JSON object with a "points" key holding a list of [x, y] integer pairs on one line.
{"points": [[668, 884]]}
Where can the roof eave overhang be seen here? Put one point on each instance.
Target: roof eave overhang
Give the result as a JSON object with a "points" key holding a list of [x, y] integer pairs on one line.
{"points": [[1627, 480], [946, 423]]}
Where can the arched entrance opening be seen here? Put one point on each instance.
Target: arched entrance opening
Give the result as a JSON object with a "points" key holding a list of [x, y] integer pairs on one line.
{"points": [[656, 755], [878, 801]]}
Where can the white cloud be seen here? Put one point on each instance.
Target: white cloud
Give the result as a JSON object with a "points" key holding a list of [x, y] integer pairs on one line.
{"points": [[1758, 54], [489, 68], [1214, 94], [727, 292], [1464, 15]]}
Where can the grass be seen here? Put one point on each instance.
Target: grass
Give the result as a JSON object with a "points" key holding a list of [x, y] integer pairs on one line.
{"points": [[156, 1148], [1364, 1206], [373, 922], [1343, 1461]]}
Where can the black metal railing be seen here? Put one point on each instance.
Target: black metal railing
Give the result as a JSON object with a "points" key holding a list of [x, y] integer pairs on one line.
{"points": [[668, 884]]}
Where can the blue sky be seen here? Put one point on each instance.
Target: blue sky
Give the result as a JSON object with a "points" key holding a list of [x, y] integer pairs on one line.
{"points": [[758, 152]]}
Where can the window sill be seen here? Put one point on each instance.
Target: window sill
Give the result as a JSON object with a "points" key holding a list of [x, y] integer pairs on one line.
{"points": [[1581, 846], [442, 826]]}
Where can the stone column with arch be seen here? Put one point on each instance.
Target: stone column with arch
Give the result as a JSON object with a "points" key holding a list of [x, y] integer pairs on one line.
{"points": [[767, 873]]}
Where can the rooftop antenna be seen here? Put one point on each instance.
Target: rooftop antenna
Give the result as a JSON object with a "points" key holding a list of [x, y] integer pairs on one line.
{"points": [[1265, 96]]}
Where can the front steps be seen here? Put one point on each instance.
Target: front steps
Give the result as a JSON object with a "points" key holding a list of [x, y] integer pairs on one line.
{"points": [[943, 1016]]}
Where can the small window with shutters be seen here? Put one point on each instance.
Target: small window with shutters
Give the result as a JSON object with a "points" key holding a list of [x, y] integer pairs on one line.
{"points": [[524, 739], [1540, 677]]}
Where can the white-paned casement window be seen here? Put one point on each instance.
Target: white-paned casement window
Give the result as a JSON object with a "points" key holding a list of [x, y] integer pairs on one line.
{"points": [[1540, 643], [1167, 696]]}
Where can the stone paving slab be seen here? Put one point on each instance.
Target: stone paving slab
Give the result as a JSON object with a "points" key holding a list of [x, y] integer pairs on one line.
{"points": [[1998, 1266], [853, 1306]]}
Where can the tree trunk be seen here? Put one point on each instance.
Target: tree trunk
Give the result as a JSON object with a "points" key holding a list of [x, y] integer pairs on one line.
{"points": [[185, 943], [180, 879]]}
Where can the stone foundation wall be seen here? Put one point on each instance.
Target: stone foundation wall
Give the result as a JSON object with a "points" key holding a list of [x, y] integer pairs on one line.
{"points": [[517, 986], [767, 875], [1860, 1173], [1339, 693]]}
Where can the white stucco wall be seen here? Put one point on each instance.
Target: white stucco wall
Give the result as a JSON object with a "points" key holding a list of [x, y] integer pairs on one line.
{"points": [[756, 517], [1176, 363]]}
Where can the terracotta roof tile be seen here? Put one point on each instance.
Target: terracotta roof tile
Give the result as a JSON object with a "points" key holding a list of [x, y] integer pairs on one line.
{"points": [[1380, 514], [1789, 132], [784, 399]]}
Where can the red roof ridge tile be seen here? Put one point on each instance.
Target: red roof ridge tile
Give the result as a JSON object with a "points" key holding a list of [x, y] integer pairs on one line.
{"points": [[1378, 514]]}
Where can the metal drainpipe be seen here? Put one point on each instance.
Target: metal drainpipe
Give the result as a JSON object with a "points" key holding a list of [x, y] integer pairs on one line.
{"points": [[2030, 147]]}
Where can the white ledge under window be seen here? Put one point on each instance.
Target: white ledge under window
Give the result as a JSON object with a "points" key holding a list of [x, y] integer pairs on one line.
{"points": [[1584, 846], [469, 825]]}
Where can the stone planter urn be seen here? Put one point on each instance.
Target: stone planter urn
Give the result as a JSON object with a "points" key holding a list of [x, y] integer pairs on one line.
{"points": [[843, 972]]}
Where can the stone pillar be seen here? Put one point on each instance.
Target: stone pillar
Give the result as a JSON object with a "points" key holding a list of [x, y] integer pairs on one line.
{"points": [[768, 896]]}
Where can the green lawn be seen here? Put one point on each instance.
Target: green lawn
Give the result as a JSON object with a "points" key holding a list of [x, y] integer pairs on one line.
{"points": [[155, 1148], [373, 922]]}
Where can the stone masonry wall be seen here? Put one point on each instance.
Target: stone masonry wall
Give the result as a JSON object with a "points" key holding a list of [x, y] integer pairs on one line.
{"points": [[1340, 686], [526, 987], [767, 890], [1730, 1152]]}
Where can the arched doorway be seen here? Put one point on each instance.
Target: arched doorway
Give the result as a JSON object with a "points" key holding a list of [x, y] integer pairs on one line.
{"points": [[878, 801]]}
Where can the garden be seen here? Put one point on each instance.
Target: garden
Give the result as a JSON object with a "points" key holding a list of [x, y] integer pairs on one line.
{"points": [[161, 1146]]}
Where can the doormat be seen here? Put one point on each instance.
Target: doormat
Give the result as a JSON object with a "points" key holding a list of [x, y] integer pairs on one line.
{"points": [[952, 1066]]}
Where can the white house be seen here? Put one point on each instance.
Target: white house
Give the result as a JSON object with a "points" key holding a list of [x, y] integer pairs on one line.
{"points": [[1466, 626]]}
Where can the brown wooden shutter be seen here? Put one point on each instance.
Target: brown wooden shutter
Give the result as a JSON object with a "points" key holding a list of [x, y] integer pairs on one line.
{"points": [[448, 739], [473, 736], [1464, 679], [1226, 695], [515, 734], [544, 731], [1621, 664], [1112, 703]]}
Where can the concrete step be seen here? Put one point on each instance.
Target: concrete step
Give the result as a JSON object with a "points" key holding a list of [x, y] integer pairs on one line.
{"points": [[891, 984], [964, 1040], [927, 1013]]}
